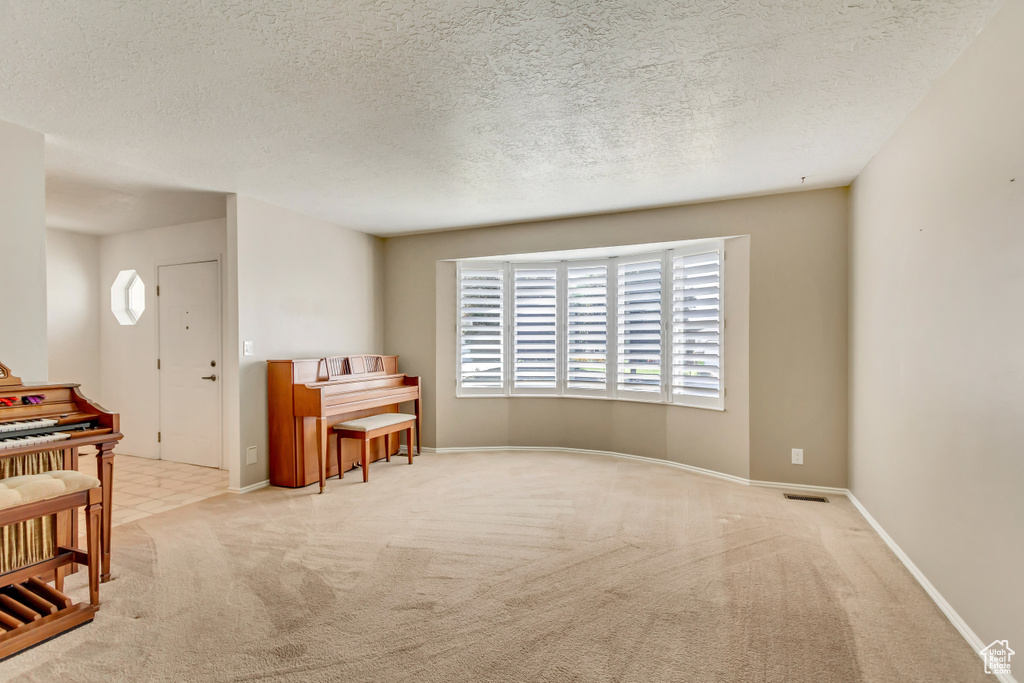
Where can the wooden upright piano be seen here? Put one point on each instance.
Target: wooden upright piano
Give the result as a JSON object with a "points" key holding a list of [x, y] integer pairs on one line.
{"points": [[42, 428], [306, 398]]}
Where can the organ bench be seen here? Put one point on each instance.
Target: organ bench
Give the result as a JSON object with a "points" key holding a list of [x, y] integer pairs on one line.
{"points": [[32, 611]]}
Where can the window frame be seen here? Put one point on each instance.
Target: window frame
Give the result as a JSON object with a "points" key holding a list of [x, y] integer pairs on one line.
{"points": [[691, 400], [128, 297], [481, 266], [557, 266], [666, 395], [636, 394], [611, 341]]}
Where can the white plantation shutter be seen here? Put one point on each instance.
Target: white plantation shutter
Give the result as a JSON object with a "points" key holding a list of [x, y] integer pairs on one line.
{"points": [[586, 336], [482, 328], [696, 326], [535, 327], [639, 326]]}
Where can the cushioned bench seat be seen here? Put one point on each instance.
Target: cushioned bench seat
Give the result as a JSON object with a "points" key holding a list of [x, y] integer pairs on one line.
{"points": [[30, 488], [31, 610], [369, 424], [366, 428]]}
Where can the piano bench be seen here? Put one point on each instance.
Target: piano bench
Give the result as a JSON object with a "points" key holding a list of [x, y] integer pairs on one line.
{"points": [[368, 428]]}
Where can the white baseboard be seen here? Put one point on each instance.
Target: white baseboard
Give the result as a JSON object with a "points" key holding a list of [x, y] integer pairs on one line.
{"points": [[251, 487], [966, 631], [643, 458], [961, 626]]}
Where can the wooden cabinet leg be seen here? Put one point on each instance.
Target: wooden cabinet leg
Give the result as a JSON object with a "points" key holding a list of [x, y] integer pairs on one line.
{"points": [[321, 451], [105, 473]]}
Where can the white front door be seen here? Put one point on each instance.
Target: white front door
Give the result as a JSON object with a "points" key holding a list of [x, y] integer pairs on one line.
{"points": [[190, 363]]}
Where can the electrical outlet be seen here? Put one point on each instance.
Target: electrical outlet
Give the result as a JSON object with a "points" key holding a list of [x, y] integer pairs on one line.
{"points": [[250, 455], [247, 348], [798, 456]]}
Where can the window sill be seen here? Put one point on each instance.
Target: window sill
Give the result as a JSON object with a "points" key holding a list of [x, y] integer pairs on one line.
{"points": [[677, 404]]}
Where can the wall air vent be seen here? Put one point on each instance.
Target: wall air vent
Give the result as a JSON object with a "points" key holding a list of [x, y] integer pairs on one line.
{"points": [[816, 499]]}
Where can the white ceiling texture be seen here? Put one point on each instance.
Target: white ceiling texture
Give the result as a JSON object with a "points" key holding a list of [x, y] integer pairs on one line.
{"points": [[395, 116]]}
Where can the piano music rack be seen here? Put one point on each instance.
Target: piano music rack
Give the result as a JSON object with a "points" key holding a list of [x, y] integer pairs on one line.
{"points": [[338, 366]]}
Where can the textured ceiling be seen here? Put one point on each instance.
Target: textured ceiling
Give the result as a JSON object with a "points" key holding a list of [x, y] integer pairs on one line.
{"points": [[403, 115]]}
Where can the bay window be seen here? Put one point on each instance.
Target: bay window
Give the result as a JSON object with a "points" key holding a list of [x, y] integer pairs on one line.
{"points": [[640, 326]]}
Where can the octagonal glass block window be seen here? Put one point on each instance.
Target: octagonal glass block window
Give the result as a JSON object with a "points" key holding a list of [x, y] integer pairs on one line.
{"points": [[128, 297]]}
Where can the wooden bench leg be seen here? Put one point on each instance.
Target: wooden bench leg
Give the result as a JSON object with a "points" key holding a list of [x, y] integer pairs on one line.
{"points": [[387, 448], [341, 470], [410, 442], [366, 460], [419, 419], [66, 523]]}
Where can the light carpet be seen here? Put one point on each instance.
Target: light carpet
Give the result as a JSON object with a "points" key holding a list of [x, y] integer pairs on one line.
{"points": [[523, 566]]}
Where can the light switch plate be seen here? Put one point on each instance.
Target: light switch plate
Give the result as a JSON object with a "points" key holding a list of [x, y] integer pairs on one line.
{"points": [[247, 348], [250, 455]]}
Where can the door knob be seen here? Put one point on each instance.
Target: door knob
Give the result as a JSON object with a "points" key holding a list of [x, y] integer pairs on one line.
{"points": [[212, 378]]}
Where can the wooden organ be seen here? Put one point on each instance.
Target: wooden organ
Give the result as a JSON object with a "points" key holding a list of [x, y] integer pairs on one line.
{"points": [[306, 398], [42, 428]]}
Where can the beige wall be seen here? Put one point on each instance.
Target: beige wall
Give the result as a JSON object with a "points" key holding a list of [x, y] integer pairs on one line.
{"points": [[73, 309], [305, 289], [130, 381], [23, 253], [937, 319], [797, 340]]}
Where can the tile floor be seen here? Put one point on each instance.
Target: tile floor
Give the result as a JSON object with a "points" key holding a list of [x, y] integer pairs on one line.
{"points": [[145, 487]]}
